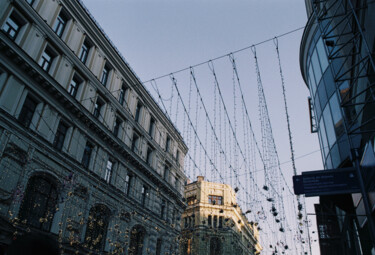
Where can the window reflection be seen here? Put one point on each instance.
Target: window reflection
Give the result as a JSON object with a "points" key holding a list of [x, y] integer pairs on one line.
{"points": [[322, 54], [329, 126], [316, 66], [323, 136], [336, 115], [312, 83]]}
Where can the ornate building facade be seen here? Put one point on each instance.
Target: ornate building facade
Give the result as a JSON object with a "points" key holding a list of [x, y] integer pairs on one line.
{"points": [[213, 222], [86, 155]]}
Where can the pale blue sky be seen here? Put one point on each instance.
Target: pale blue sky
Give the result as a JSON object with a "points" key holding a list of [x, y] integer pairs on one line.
{"points": [[160, 37]]}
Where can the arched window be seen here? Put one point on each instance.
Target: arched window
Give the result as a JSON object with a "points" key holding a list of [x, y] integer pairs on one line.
{"points": [[215, 246], [137, 235], [39, 204], [96, 229]]}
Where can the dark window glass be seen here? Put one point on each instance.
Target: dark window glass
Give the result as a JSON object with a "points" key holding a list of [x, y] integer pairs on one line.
{"points": [[151, 129], [329, 82], [46, 59], [166, 172], [136, 240], [215, 200], [168, 144], [220, 221], [73, 86], [178, 157], [209, 221], [122, 96], [39, 204], [215, 246], [215, 221], [108, 171], [117, 126], [138, 111], [97, 225], [149, 155], [84, 52], [12, 26], [87, 154], [60, 136], [322, 94], [135, 143], [158, 246], [128, 180], [27, 111], [145, 195], [105, 74], [98, 107], [162, 209], [60, 24]]}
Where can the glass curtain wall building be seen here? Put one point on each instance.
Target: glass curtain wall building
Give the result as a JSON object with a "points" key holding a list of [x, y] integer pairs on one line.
{"points": [[337, 64]]}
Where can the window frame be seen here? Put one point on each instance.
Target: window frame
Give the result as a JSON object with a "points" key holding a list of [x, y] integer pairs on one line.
{"points": [[105, 75], [60, 135], [84, 51], [26, 114], [60, 23], [17, 20], [86, 157], [108, 170], [98, 106]]}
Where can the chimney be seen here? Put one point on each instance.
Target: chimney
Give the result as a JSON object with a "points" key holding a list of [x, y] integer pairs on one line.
{"points": [[200, 178]]}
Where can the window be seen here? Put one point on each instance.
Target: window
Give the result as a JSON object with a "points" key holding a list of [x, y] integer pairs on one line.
{"points": [[215, 200], [158, 246], [135, 143], [168, 144], [13, 25], [138, 112], [97, 225], [128, 180], [108, 171], [84, 51], [162, 208], [73, 86], [151, 129], [220, 221], [150, 151], [60, 24], [209, 220], [98, 107], [39, 203], [123, 92], [215, 246], [178, 157], [87, 154], [166, 172], [27, 111], [117, 126], [145, 194], [136, 240], [46, 59], [215, 221], [105, 75], [58, 143]]}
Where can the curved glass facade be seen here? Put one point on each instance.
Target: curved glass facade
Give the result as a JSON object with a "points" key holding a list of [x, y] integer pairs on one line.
{"points": [[319, 76]]}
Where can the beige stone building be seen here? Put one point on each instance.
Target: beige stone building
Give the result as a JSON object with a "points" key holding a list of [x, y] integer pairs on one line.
{"points": [[213, 222]]}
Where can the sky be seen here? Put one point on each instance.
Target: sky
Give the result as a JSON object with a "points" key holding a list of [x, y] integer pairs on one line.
{"points": [[158, 38]]}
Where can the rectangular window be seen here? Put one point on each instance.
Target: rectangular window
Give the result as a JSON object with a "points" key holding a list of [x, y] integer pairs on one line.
{"points": [[73, 86], [150, 151], [60, 24], [145, 194], [151, 129], [87, 154], [158, 246], [46, 59], [162, 208], [168, 144], [84, 52], [108, 171], [215, 200], [12, 26], [117, 126], [166, 172], [220, 221], [215, 221], [123, 92], [191, 200], [105, 75], [135, 143], [58, 143], [128, 180], [209, 221], [138, 112], [27, 111], [178, 157], [98, 107]]}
